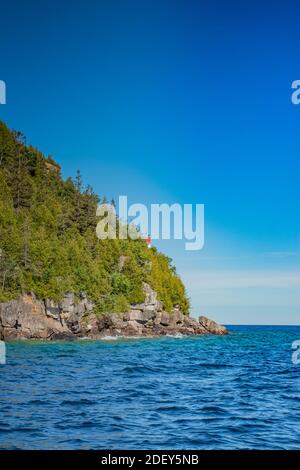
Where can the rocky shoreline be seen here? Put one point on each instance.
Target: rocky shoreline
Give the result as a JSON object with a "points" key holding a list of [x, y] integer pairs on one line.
{"points": [[31, 318]]}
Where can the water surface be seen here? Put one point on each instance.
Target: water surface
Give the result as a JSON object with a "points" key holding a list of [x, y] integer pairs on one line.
{"points": [[236, 392]]}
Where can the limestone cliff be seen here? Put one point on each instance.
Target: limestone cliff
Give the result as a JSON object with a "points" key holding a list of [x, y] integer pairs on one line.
{"points": [[31, 318]]}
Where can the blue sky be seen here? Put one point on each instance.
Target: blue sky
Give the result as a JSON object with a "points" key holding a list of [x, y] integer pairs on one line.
{"points": [[176, 101]]}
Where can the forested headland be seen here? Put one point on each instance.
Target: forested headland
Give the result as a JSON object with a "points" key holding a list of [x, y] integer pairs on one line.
{"points": [[48, 242]]}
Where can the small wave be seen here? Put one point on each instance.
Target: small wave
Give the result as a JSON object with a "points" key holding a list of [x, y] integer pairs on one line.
{"points": [[138, 369], [82, 401], [65, 356], [177, 335], [152, 393], [171, 408], [25, 430], [291, 397], [80, 425], [214, 409], [289, 371], [213, 365], [35, 402], [110, 338], [120, 338]]}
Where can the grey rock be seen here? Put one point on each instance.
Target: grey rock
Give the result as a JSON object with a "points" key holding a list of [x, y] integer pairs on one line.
{"points": [[166, 319], [52, 309], [30, 318], [212, 327], [151, 303], [26, 318], [63, 336]]}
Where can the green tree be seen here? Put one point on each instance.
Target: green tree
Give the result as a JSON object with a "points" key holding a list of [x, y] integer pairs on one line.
{"points": [[48, 242]]}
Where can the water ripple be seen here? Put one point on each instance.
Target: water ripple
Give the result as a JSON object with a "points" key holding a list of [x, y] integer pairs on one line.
{"points": [[235, 392]]}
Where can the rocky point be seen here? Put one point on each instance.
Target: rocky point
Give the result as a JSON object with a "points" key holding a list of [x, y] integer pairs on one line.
{"points": [[31, 318]]}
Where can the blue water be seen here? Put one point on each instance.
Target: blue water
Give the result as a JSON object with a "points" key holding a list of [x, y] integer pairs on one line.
{"points": [[236, 392]]}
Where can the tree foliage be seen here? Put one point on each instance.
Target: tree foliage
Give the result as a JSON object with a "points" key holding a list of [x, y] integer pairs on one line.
{"points": [[48, 242]]}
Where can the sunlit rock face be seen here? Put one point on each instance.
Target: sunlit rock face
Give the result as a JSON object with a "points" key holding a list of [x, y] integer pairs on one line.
{"points": [[31, 318]]}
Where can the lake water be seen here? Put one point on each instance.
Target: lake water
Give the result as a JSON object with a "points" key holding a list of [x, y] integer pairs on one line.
{"points": [[236, 392]]}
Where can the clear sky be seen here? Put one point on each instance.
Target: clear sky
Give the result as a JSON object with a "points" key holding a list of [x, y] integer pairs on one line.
{"points": [[175, 101]]}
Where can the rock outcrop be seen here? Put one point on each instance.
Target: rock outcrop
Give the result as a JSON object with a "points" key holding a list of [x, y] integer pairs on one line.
{"points": [[31, 318]]}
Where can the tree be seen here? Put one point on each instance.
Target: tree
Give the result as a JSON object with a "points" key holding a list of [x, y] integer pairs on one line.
{"points": [[48, 242]]}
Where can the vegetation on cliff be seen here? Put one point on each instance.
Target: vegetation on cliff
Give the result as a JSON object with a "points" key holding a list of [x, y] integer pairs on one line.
{"points": [[48, 242]]}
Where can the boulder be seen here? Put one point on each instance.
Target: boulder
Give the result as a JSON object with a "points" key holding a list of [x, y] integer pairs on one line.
{"points": [[165, 319], [150, 303], [26, 318], [72, 310], [212, 327], [139, 316], [63, 336], [52, 309]]}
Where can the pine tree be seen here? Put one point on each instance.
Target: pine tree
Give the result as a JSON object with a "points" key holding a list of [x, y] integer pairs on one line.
{"points": [[48, 242]]}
